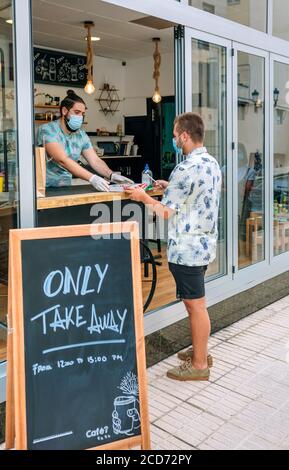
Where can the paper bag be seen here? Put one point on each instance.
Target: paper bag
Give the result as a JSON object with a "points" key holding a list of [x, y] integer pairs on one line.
{"points": [[40, 171]]}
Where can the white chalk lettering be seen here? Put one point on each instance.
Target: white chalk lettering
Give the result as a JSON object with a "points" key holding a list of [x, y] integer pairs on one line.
{"points": [[43, 315], [77, 284], [62, 364], [106, 322], [122, 319], [101, 274], [78, 321], [84, 289], [69, 317], [38, 368], [48, 281], [69, 281], [58, 321], [95, 360]]}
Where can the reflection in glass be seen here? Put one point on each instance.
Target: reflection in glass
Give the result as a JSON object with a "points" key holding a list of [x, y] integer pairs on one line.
{"points": [[281, 19], [251, 171], [8, 211], [251, 13], [209, 86], [281, 158]]}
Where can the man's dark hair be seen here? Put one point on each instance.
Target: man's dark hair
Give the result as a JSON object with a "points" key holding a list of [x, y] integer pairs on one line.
{"points": [[191, 123], [70, 100]]}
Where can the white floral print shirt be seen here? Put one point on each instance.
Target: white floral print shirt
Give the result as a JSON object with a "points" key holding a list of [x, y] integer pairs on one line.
{"points": [[194, 193]]}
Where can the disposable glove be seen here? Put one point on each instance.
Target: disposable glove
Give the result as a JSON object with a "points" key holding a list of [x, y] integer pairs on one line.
{"points": [[99, 183], [119, 179]]}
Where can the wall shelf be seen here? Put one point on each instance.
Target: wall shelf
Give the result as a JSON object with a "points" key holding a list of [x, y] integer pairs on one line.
{"points": [[106, 111], [48, 106], [44, 117], [108, 100]]}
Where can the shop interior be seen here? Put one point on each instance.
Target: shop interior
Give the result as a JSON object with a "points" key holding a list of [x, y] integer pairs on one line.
{"points": [[121, 119], [126, 127]]}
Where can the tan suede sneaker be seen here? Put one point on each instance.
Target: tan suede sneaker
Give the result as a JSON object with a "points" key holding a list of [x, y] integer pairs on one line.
{"points": [[186, 372], [188, 354]]}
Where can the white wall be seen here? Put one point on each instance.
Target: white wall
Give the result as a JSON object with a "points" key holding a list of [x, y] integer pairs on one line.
{"points": [[139, 83]]}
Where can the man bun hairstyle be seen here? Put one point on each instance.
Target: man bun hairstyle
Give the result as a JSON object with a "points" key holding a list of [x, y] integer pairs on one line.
{"points": [[70, 100], [192, 124]]}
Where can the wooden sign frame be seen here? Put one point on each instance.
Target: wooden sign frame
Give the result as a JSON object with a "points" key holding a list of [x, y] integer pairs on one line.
{"points": [[10, 413], [16, 388]]}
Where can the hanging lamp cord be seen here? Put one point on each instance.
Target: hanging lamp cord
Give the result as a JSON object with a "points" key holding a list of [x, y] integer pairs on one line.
{"points": [[89, 54], [157, 64]]}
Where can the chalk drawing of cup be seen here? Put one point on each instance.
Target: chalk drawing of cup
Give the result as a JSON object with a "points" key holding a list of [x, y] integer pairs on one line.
{"points": [[125, 416]]}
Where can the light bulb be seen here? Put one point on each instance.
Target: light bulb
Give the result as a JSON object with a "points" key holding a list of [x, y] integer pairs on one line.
{"points": [[89, 87], [94, 38], [157, 97]]}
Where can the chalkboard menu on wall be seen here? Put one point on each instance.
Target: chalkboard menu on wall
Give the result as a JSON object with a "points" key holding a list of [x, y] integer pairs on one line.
{"points": [[81, 334], [59, 68]]}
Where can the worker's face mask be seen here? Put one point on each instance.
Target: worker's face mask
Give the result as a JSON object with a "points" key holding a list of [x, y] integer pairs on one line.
{"points": [[74, 122]]}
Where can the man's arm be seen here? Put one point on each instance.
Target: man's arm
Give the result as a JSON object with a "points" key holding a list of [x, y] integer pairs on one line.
{"points": [[96, 163], [139, 195], [58, 154]]}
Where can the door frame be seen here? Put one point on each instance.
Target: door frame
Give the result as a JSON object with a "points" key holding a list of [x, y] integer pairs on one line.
{"points": [[248, 274], [253, 271], [283, 258], [191, 34]]}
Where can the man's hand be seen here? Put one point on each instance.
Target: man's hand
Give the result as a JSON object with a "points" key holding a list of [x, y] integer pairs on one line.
{"points": [[161, 184], [99, 183], [137, 194], [119, 179]]}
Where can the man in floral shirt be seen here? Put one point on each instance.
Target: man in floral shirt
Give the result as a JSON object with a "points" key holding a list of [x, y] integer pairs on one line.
{"points": [[191, 203]]}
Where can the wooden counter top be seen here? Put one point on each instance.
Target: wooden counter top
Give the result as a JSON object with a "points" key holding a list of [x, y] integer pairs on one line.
{"points": [[69, 200]]}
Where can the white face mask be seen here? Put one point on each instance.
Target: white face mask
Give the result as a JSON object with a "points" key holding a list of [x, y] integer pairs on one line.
{"points": [[74, 123]]}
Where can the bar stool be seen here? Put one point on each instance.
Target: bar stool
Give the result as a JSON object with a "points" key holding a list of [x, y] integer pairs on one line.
{"points": [[253, 224]]}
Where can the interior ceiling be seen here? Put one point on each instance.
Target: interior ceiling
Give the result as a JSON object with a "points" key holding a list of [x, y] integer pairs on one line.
{"points": [[124, 34]]}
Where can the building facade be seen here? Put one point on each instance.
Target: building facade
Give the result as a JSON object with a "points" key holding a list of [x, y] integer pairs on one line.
{"points": [[231, 65]]}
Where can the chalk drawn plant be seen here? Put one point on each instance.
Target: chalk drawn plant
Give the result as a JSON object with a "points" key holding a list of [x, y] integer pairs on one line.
{"points": [[129, 384]]}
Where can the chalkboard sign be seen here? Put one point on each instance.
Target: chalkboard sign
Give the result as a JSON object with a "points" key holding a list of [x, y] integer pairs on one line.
{"points": [[59, 68], [78, 343]]}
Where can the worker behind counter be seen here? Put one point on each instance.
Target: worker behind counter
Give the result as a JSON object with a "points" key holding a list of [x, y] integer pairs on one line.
{"points": [[65, 141]]}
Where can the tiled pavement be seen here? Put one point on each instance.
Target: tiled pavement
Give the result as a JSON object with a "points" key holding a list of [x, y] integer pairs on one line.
{"points": [[245, 405]]}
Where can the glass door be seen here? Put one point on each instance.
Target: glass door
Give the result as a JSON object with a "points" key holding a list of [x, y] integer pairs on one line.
{"points": [[208, 93], [227, 83], [8, 160], [280, 157], [251, 158]]}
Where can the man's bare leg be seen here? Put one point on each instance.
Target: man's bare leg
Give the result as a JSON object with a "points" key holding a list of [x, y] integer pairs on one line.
{"points": [[201, 329]]}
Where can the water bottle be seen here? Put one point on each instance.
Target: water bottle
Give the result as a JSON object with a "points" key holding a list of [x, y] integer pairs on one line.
{"points": [[146, 175]]}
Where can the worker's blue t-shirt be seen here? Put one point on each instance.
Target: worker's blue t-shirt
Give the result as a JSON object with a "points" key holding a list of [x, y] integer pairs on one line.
{"points": [[74, 144]]}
